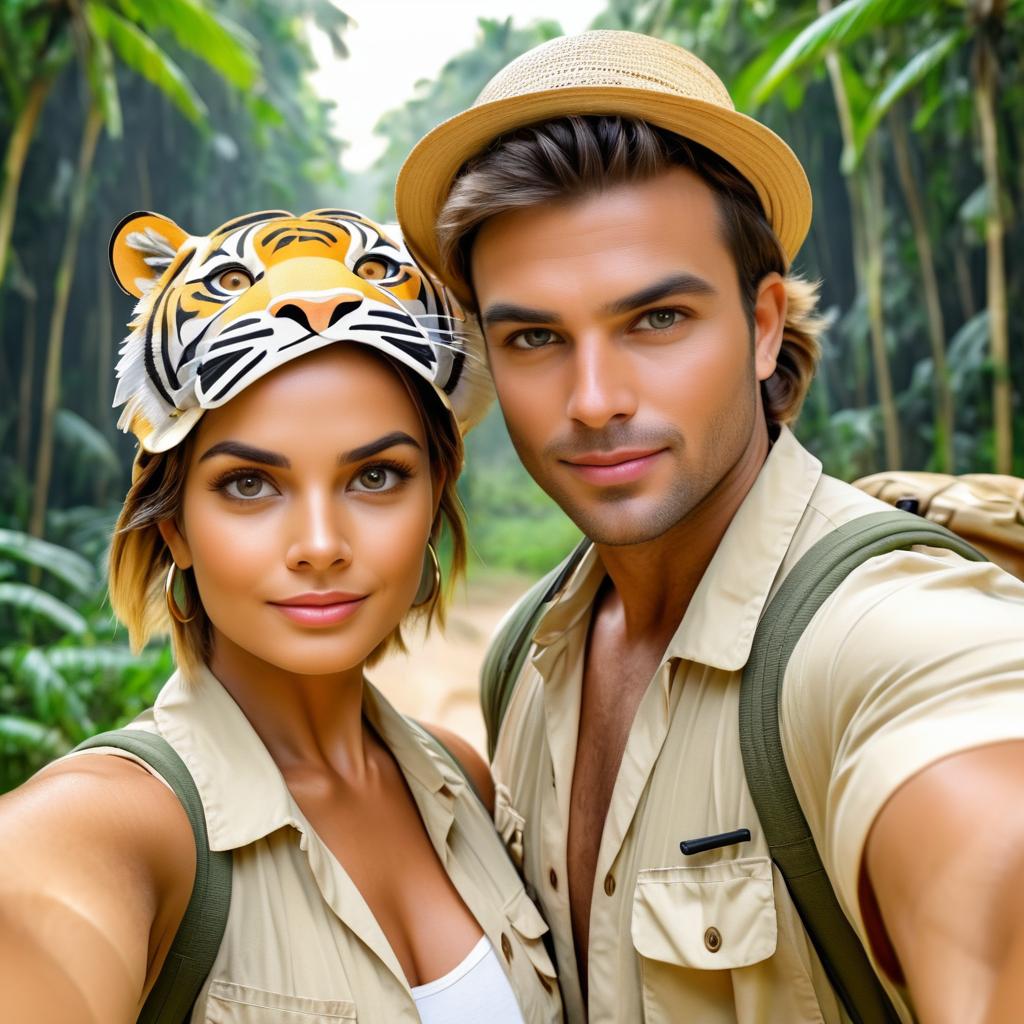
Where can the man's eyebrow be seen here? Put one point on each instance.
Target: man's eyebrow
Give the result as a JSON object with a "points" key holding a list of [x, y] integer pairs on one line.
{"points": [[505, 312], [247, 453], [673, 285], [364, 451]]}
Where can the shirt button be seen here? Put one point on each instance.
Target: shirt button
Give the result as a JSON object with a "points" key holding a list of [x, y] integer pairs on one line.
{"points": [[506, 947], [553, 878], [609, 885], [713, 940]]}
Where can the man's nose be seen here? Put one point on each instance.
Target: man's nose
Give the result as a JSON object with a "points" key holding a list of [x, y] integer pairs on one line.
{"points": [[601, 387], [315, 315], [319, 540]]}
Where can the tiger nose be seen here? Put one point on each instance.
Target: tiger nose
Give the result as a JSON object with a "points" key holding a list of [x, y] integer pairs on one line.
{"points": [[314, 316]]}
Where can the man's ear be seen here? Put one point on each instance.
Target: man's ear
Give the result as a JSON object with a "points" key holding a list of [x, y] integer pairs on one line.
{"points": [[769, 323], [175, 540], [142, 247]]}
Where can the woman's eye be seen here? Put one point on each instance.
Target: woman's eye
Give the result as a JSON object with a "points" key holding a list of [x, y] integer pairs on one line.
{"points": [[375, 268], [376, 478], [535, 337], [659, 319], [234, 280], [248, 488]]}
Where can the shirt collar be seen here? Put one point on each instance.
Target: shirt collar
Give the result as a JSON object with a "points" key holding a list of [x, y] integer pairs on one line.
{"points": [[718, 627], [243, 793]]}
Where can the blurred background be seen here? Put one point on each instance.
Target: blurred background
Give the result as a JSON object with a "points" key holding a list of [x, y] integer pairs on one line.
{"points": [[907, 115]]}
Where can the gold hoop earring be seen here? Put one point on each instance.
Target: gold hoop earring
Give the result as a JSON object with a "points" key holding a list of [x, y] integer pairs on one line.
{"points": [[172, 605], [430, 578]]}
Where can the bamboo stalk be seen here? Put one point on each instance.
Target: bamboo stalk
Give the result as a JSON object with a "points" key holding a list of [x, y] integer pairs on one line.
{"points": [[61, 294], [14, 161], [943, 411]]}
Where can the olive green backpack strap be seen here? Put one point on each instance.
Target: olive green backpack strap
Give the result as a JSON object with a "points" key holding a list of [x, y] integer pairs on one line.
{"points": [[199, 935], [507, 652], [804, 590]]}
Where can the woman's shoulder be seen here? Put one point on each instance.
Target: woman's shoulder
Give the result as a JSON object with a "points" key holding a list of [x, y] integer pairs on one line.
{"points": [[473, 766]]}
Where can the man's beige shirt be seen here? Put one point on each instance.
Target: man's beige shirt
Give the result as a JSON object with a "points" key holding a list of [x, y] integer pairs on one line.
{"points": [[915, 656], [301, 944]]}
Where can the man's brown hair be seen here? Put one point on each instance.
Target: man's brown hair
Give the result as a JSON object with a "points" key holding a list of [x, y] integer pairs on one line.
{"points": [[575, 156]]}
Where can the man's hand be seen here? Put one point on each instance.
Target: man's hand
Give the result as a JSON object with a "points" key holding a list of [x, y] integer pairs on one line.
{"points": [[945, 861]]}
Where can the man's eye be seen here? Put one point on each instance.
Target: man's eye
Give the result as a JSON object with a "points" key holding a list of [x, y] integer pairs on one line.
{"points": [[659, 319], [535, 337], [248, 487]]}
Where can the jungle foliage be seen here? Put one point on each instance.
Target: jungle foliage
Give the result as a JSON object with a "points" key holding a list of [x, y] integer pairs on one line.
{"points": [[907, 114]]}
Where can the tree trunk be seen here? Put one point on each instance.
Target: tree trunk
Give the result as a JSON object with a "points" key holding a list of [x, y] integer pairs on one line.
{"points": [[944, 455], [985, 75], [965, 290], [874, 273], [61, 294], [104, 349], [14, 161], [28, 369], [866, 224]]}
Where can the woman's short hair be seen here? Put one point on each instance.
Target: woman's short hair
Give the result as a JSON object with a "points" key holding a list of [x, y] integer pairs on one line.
{"points": [[140, 560], [575, 156]]}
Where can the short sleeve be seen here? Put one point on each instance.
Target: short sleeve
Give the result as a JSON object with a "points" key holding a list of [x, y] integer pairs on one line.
{"points": [[916, 656]]}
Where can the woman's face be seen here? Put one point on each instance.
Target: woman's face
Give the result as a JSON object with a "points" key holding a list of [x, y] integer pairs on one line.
{"points": [[307, 509]]}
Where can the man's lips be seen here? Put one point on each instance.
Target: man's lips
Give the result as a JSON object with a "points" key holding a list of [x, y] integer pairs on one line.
{"points": [[320, 608], [621, 466]]}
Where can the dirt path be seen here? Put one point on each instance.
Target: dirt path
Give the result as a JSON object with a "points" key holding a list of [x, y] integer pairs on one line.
{"points": [[438, 680]]}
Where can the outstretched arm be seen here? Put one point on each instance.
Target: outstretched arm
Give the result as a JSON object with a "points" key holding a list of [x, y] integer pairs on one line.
{"points": [[98, 862], [945, 861]]}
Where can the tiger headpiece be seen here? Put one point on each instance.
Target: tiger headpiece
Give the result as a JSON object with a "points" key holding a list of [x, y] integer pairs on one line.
{"points": [[216, 312]]}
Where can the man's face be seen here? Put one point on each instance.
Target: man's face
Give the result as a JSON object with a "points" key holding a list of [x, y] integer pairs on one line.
{"points": [[624, 363]]}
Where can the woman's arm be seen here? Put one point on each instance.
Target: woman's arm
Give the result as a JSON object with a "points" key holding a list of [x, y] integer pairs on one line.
{"points": [[98, 864]]}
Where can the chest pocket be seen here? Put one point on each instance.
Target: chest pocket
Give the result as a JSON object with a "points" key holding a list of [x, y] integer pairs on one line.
{"points": [[228, 1003], [714, 917]]}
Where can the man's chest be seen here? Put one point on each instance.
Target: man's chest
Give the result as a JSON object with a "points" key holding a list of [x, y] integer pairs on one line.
{"points": [[713, 936]]}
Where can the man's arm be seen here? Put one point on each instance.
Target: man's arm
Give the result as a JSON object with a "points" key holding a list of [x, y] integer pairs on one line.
{"points": [[945, 861]]}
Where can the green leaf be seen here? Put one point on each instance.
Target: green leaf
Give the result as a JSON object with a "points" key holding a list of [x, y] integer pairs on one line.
{"points": [[87, 661], [844, 24], [65, 564], [25, 734], [215, 40], [900, 84], [89, 445], [745, 83], [138, 52], [101, 74], [26, 598]]}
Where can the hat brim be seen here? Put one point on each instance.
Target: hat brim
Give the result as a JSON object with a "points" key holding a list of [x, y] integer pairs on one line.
{"points": [[753, 149]]}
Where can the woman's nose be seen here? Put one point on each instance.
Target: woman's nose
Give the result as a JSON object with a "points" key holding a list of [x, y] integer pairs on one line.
{"points": [[318, 539]]}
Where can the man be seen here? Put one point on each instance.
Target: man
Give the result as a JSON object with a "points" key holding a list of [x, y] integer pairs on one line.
{"points": [[625, 238]]}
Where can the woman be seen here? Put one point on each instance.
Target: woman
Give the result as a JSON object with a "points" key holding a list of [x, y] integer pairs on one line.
{"points": [[286, 499]]}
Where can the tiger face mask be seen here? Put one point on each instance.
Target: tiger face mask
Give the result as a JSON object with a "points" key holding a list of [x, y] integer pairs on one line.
{"points": [[217, 312]]}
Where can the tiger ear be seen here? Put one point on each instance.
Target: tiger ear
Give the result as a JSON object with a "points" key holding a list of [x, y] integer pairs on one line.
{"points": [[142, 247]]}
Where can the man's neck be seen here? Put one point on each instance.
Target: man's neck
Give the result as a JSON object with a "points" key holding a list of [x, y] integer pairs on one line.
{"points": [[653, 582]]}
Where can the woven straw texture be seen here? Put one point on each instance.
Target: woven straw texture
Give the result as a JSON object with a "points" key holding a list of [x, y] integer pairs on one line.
{"points": [[602, 72]]}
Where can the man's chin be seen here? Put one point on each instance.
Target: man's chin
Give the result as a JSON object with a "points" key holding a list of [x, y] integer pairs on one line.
{"points": [[617, 525]]}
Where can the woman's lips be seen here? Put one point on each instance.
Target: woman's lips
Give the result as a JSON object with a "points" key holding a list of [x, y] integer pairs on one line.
{"points": [[320, 609], [608, 468]]}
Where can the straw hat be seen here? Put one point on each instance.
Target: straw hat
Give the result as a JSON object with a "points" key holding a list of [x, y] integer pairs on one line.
{"points": [[602, 72]]}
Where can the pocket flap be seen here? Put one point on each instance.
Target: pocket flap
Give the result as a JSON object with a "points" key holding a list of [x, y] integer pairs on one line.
{"points": [[524, 917], [714, 917]]}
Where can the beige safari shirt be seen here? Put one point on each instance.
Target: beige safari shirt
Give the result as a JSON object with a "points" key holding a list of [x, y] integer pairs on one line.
{"points": [[917, 655], [301, 944]]}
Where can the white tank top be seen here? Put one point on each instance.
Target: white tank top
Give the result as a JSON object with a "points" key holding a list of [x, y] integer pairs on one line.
{"points": [[476, 990]]}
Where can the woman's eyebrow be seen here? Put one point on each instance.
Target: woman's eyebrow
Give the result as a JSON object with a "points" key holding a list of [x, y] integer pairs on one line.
{"points": [[364, 451], [246, 453]]}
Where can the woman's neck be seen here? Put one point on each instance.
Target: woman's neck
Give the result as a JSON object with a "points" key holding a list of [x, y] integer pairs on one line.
{"points": [[307, 723]]}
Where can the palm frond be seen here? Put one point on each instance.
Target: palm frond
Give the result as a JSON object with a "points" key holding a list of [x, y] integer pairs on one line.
{"points": [[23, 597], [63, 563]]}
